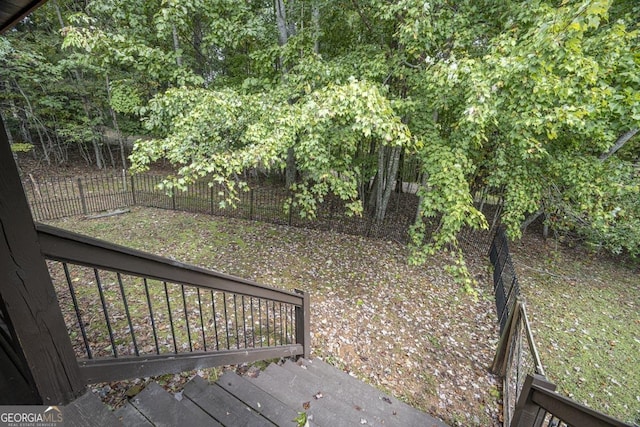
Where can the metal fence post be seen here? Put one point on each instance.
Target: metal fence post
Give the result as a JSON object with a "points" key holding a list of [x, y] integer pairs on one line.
{"points": [[211, 199], [251, 204], [82, 200], [133, 191]]}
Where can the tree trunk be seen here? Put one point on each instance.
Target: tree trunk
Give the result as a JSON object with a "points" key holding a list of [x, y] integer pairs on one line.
{"points": [[620, 142], [114, 119], [390, 173], [315, 21], [176, 45]]}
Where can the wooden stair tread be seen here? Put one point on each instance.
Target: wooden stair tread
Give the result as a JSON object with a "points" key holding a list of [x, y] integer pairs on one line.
{"points": [[371, 400], [89, 411], [224, 407], [131, 417], [260, 401], [329, 397], [162, 409], [297, 392]]}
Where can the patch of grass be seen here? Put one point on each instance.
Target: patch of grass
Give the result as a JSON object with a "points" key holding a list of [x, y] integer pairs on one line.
{"points": [[586, 318]]}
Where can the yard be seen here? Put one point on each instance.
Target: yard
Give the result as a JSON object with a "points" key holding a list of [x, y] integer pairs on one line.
{"points": [[410, 330]]}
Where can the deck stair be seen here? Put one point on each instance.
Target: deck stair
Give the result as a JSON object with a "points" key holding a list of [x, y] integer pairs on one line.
{"points": [[277, 396]]}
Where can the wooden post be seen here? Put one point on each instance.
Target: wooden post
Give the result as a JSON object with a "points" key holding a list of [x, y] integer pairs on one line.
{"points": [[303, 330], [527, 413], [30, 302]]}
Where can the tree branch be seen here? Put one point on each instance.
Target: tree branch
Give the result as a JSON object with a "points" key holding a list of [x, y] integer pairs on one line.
{"points": [[621, 141]]}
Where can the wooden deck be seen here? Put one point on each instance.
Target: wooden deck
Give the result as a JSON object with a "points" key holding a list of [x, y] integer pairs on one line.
{"points": [[277, 396]]}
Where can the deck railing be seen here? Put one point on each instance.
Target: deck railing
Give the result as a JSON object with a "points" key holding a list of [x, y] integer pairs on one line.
{"points": [[130, 314], [529, 399]]}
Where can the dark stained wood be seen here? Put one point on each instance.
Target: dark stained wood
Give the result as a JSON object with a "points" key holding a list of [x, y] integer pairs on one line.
{"points": [[103, 370], [257, 399], [12, 11], [222, 406], [540, 394], [163, 410], [89, 411], [295, 392], [303, 326], [30, 302], [129, 416], [62, 245], [379, 407], [15, 388]]}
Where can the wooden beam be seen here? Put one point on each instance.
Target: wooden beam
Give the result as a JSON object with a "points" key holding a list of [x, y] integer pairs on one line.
{"points": [[29, 298]]}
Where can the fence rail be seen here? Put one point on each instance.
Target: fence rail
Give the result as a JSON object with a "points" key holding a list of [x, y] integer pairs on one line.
{"points": [[130, 314]]}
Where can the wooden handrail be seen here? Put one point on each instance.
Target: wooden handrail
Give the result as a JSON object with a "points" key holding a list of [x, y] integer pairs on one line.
{"points": [[538, 393], [66, 246]]}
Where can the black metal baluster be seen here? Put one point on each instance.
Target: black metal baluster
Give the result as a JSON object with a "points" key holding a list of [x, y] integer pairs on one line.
{"points": [[253, 325], [281, 328], [226, 318], [260, 320], [266, 305], [106, 313], [286, 325], [204, 338], [275, 332], [237, 324], [77, 310], [186, 317], [126, 310], [153, 323], [215, 322], [244, 323], [173, 332]]}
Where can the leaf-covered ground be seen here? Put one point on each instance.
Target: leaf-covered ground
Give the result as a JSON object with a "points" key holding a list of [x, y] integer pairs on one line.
{"points": [[407, 330]]}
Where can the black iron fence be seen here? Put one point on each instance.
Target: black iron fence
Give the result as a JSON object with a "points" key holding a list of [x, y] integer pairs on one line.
{"points": [[529, 400], [58, 197], [131, 314]]}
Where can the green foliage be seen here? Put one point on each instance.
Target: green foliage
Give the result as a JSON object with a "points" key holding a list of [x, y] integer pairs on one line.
{"points": [[21, 147], [219, 134], [524, 97]]}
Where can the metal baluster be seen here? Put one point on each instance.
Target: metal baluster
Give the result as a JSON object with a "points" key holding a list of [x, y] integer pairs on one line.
{"points": [[244, 323], [153, 323], [281, 328], [215, 322], [236, 325], [266, 306], [106, 313], [253, 325], [126, 310], [173, 332], [204, 338], [226, 318], [275, 332], [186, 317], [260, 320], [77, 310]]}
